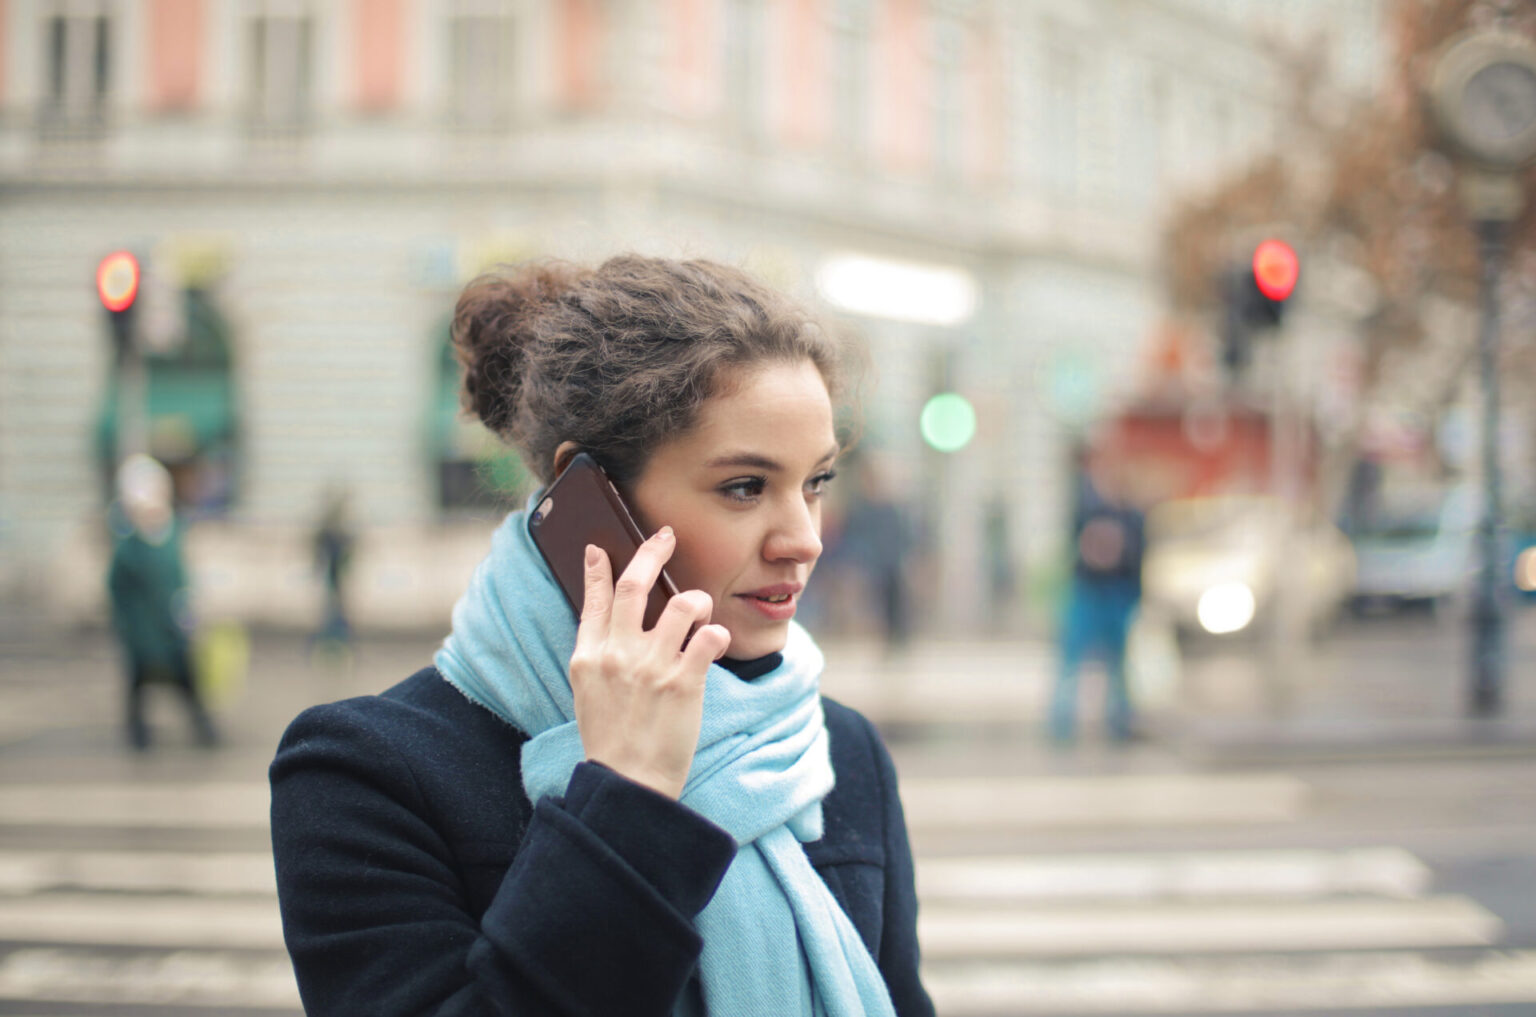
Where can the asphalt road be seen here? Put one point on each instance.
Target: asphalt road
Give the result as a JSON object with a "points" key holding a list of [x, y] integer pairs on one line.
{"points": [[1354, 846]]}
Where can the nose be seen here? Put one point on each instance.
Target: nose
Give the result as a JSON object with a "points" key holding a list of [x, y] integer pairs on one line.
{"points": [[796, 533]]}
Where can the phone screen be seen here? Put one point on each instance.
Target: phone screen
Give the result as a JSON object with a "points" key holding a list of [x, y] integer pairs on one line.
{"points": [[583, 507]]}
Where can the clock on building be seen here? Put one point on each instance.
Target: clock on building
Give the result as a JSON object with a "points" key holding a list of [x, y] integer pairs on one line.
{"points": [[1484, 94]]}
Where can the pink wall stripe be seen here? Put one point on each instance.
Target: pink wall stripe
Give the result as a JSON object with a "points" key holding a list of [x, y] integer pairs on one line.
{"points": [[695, 66], [581, 42], [378, 47], [175, 53], [903, 129], [800, 75], [982, 102]]}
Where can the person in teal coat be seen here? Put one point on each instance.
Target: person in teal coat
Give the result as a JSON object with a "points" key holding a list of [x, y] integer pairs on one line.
{"points": [[148, 586]]}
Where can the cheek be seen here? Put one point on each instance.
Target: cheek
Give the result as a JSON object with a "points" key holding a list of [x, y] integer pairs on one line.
{"points": [[710, 561]]}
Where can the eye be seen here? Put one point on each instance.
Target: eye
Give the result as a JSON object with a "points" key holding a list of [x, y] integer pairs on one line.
{"points": [[817, 484], [744, 488]]}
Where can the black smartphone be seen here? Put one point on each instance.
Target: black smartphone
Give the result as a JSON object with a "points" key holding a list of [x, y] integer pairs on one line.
{"points": [[584, 507]]}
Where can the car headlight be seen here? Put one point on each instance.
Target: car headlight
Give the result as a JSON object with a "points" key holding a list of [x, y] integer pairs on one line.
{"points": [[1225, 608], [1525, 570]]}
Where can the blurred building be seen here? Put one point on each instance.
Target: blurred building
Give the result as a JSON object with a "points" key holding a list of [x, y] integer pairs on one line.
{"points": [[976, 185]]}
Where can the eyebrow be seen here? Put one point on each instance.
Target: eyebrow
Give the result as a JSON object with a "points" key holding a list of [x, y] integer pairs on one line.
{"points": [[756, 461]]}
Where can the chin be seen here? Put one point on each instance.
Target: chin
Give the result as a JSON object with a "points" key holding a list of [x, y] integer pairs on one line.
{"points": [[758, 644]]}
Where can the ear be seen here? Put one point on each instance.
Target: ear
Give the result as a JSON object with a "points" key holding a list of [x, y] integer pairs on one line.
{"points": [[564, 454]]}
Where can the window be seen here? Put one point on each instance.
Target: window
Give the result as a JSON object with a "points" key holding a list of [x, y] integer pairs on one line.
{"points": [[281, 68], [948, 113], [1063, 97], [481, 66], [477, 475], [77, 47], [850, 25], [745, 47], [187, 407]]}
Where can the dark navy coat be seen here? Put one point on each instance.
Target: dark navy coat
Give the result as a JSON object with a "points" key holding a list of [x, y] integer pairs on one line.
{"points": [[416, 878]]}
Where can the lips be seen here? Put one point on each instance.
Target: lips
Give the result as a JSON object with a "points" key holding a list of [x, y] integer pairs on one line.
{"points": [[776, 602]]}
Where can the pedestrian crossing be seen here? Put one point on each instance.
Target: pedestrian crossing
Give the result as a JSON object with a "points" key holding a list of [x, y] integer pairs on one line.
{"points": [[131, 923]]}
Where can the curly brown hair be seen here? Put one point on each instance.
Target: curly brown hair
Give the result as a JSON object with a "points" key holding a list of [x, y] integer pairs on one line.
{"points": [[619, 358]]}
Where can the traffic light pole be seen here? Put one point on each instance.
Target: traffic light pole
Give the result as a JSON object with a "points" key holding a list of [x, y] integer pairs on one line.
{"points": [[132, 415], [117, 285], [1487, 611]]}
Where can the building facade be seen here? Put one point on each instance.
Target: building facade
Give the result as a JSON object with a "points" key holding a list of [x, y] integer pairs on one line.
{"points": [[308, 183]]}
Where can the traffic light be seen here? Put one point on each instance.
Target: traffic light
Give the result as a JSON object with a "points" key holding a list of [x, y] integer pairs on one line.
{"points": [[1253, 298], [1275, 268], [117, 284]]}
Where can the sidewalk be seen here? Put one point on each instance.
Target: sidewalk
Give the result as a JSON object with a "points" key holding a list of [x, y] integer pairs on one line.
{"points": [[1367, 691]]}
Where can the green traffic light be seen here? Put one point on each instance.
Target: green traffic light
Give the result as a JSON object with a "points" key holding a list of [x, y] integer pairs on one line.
{"points": [[948, 423]]}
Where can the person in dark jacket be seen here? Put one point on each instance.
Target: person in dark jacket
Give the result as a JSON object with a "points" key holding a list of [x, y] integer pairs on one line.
{"points": [[1108, 544], [148, 586], [333, 543], [588, 817]]}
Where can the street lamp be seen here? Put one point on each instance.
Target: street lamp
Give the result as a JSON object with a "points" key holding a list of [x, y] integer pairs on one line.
{"points": [[1483, 96]]}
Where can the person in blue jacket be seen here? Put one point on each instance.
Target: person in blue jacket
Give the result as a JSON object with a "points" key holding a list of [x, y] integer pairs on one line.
{"points": [[588, 817]]}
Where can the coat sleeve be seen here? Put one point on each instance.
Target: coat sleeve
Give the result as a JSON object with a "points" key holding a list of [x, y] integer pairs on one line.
{"points": [[900, 957], [593, 918]]}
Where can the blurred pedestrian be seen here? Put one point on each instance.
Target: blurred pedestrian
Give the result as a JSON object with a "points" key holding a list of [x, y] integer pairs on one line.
{"points": [[877, 538], [1002, 581], [150, 607], [1108, 544], [572, 812], [333, 559]]}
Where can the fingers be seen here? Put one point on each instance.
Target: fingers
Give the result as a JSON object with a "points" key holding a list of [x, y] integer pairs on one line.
{"points": [[597, 602], [634, 586], [708, 645], [683, 611]]}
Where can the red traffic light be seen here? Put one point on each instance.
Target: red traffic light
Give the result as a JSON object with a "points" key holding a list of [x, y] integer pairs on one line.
{"points": [[1275, 267], [117, 280]]}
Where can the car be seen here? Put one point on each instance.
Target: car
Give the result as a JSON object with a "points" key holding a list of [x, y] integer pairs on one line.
{"points": [[1421, 551], [1217, 566]]}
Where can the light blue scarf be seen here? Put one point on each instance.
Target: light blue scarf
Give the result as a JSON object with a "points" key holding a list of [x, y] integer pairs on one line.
{"points": [[775, 940]]}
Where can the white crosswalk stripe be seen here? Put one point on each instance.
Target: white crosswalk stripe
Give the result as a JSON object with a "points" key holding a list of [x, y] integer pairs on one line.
{"points": [[1154, 985], [223, 979], [947, 931], [220, 872], [1233, 931], [142, 920], [1389, 872]]}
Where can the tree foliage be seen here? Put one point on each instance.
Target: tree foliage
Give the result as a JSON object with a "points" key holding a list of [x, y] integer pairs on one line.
{"points": [[1370, 184]]}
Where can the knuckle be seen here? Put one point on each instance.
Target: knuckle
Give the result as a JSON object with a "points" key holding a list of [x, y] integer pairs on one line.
{"points": [[691, 602], [628, 587]]}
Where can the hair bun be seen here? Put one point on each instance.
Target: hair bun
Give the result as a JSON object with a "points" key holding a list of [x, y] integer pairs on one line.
{"points": [[493, 329]]}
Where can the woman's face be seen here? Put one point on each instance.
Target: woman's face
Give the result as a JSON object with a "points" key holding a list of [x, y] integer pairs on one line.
{"points": [[742, 490]]}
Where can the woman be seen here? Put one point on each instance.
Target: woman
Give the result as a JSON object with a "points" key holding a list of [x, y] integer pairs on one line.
{"points": [[592, 818], [147, 580]]}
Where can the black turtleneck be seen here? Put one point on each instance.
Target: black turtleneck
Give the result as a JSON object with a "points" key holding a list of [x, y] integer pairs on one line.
{"points": [[746, 670]]}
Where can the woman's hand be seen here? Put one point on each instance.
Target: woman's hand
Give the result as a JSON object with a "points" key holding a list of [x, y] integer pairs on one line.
{"points": [[640, 695]]}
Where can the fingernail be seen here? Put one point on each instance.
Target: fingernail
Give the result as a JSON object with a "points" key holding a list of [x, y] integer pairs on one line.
{"points": [[665, 533], [591, 555]]}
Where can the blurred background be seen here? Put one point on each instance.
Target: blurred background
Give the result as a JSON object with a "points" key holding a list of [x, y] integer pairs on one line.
{"points": [[1180, 321]]}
